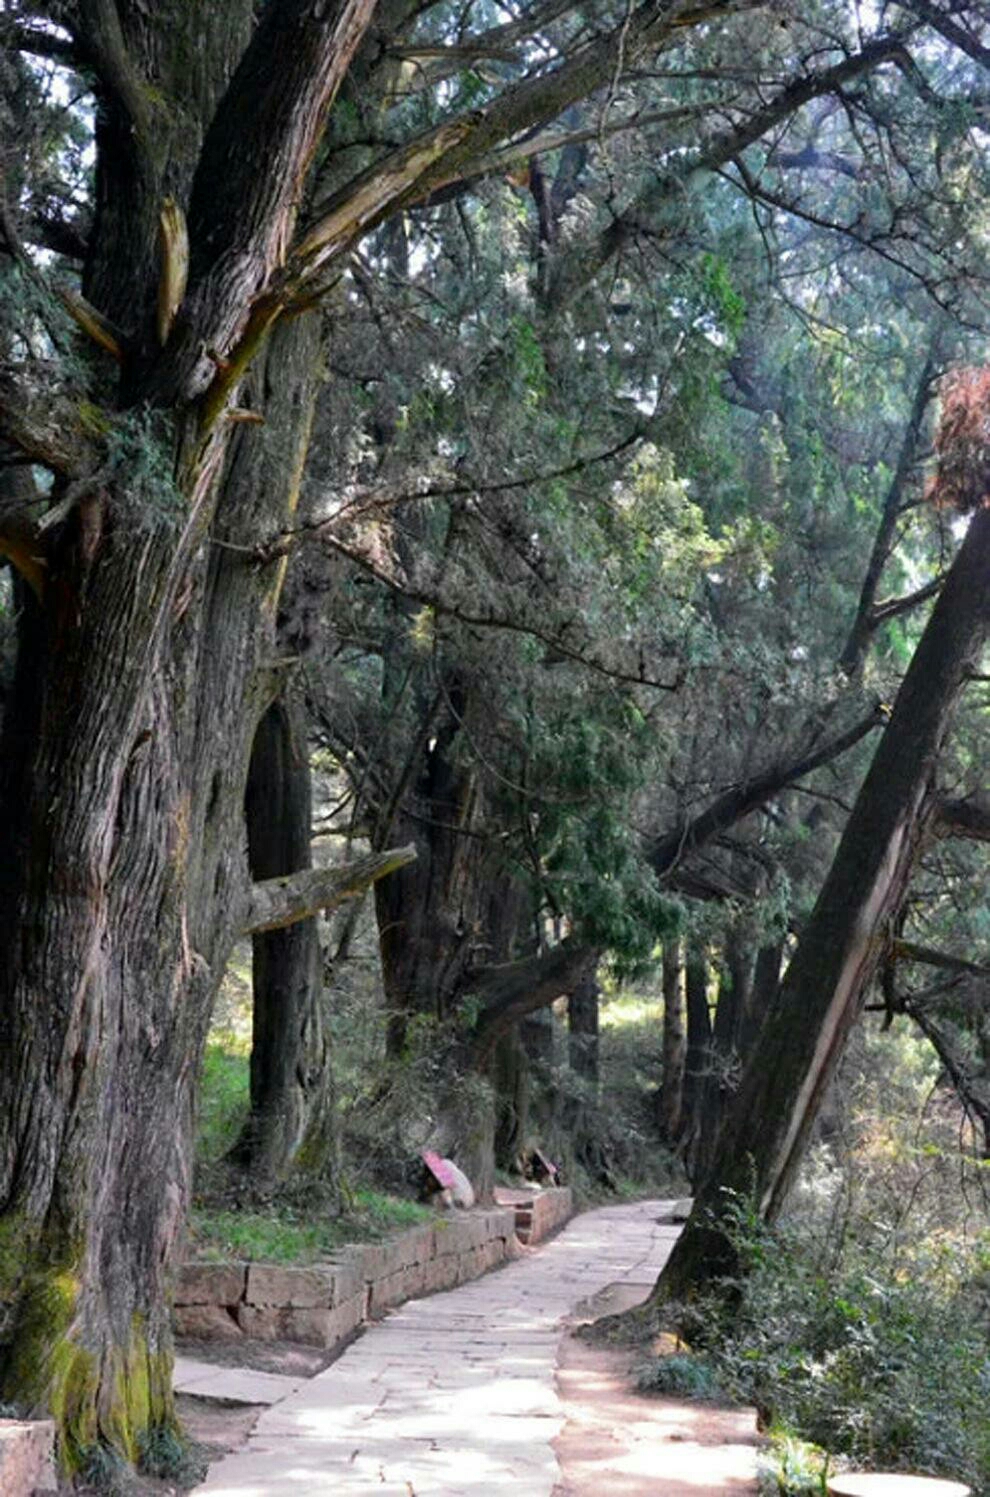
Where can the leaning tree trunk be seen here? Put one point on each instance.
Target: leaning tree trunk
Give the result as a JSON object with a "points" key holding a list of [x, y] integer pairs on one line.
{"points": [[822, 993], [291, 1113]]}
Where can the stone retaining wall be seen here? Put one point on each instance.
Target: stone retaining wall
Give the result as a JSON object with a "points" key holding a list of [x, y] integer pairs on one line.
{"points": [[324, 1305], [543, 1213]]}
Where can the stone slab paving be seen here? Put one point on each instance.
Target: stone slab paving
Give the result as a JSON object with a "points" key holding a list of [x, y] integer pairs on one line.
{"points": [[232, 1384], [454, 1394]]}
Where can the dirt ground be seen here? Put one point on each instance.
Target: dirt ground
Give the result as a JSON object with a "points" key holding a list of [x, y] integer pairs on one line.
{"points": [[629, 1444]]}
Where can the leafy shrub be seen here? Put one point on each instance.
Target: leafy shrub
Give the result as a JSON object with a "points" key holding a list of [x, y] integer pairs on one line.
{"points": [[889, 1369], [681, 1375], [792, 1468]]}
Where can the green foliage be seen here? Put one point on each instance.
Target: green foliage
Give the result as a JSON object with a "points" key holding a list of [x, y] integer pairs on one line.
{"points": [[139, 455], [727, 303], [224, 1098], [681, 1375], [790, 1467], [887, 1369]]}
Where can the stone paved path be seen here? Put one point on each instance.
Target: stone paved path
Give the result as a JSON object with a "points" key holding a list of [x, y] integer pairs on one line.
{"points": [[454, 1394]]}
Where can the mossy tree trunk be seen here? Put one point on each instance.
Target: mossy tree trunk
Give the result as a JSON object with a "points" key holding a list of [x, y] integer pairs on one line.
{"points": [[822, 993]]}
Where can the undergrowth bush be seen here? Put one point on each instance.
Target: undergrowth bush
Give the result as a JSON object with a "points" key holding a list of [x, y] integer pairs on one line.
{"points": [[681, 1376], [886, 1368]]}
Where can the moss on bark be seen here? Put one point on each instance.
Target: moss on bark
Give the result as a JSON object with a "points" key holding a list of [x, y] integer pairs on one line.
{"points": [[108, 1399]]}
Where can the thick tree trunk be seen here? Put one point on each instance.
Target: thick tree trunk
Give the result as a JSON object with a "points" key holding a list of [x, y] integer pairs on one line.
{"points": [[699, 1039], [763, 990], [291, 1085], [722, 1070], [670, 1098], [582, 1024], [126, 883], [583, 1140], [510, 1079], [824, 988], [432, 916]]}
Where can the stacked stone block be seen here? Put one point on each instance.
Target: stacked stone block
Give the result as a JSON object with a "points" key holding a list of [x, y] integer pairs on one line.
{"points": [[324, 1305]]}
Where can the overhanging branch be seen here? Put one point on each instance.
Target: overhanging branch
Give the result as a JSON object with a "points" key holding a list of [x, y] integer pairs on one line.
{"points": [[511, 991], [738, 802], [910, 951], [963, 818], [277, 902]]}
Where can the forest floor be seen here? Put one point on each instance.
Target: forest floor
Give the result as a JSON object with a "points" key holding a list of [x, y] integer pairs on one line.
{"points": [[485, 1389]]}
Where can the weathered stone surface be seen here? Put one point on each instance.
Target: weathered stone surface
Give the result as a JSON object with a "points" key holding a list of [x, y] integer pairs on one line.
{"points": [[26, 1456], [348, 1274], [312, 1325], [210, 1283], [502, 1222], [263, 1322], [205, 1322], [549, 1210], [445, 1237], [300, 1288], [345, 1320]]}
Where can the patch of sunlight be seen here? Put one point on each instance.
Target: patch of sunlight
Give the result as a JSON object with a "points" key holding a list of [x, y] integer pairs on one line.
{"points": [[632, 1008]]}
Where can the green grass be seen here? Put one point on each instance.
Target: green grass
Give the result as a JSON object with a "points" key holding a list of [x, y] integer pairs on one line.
{"points": [[223, 1102], [283, 1235]]}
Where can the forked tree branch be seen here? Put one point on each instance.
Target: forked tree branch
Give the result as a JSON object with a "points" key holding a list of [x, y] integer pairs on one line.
{"points": [[511, 991]]}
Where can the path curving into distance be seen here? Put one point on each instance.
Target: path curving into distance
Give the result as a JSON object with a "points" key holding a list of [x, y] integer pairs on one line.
{"points": [[456, 1393]]}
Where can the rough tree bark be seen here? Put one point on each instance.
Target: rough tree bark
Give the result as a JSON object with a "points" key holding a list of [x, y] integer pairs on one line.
{"points": [[670, 1098], [582, 1024], [290, 1071], [699, 1038], [825, 985], [142, 669], [725, 1054], [430, 918]]}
